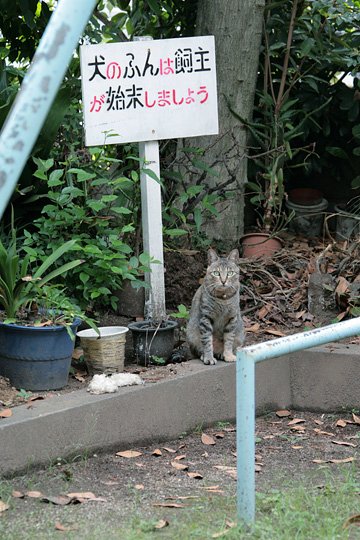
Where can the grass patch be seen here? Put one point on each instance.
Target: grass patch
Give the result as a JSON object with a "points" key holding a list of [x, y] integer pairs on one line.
{"points": [[302, 511]]}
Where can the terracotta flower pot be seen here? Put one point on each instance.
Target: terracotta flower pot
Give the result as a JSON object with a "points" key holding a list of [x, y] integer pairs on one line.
{"points": [[259, 245]]}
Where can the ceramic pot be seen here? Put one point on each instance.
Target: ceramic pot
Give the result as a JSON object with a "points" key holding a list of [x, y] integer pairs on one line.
{"points": [[150, 340], [36, 358], [347, 224], [259, 245], [305, 196], [308, 218]]}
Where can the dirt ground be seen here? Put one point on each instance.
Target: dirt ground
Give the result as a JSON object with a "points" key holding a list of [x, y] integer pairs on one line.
{"points": [[163, 479]]}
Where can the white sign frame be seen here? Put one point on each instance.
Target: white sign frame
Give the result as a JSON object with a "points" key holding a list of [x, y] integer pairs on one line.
{"points": [[149, 90]]}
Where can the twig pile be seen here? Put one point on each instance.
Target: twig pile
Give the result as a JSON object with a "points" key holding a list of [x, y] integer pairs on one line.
{"points": [[275, 289]]}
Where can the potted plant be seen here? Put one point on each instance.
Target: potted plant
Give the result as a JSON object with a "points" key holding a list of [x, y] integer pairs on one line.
{"points": [[276, 133], [348, 219], [153, 341], [38, 322]]}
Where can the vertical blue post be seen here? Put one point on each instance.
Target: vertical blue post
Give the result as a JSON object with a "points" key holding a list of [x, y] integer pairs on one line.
{"points": [[38, 90], [245, 436]]}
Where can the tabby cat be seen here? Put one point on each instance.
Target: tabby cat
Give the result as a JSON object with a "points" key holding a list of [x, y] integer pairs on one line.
{"points": [[215, 328]]}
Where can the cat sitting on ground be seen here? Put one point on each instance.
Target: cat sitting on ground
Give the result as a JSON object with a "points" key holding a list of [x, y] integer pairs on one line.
{"points": [[215, 328]]}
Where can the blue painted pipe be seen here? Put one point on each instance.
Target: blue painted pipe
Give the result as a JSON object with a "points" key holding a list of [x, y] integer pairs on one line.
{"points": [[245, 399], [38, 90]]}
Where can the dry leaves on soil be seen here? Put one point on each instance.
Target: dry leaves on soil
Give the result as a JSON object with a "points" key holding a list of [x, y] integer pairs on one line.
{"points": [[275, 289]]}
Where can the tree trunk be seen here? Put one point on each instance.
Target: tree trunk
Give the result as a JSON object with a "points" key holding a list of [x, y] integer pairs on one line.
{"points": [[237, 27]]}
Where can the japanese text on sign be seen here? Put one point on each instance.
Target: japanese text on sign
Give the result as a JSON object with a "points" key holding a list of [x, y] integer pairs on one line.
{"points": [[149, 90]]}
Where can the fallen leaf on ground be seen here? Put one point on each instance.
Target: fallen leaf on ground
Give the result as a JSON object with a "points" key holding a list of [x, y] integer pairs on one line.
{"points": [[274, 332], [157, 452], [300, 429], [320, 432], [297, 447], [179, 466], [18, 494], [344, 460], [356, 418], [170, 505], [345, 443], [231, 471], [5, 413], [161, 524], [178, 458], [80, 376], [64, 528], [182, 497], [296, 421], [283, 413], [355, 519], [207, 439], [3, 506], [195, 475], [139, 486], [254, 328], [219, 435], [110, 482], [229, 525], [319, 422], [85, 496], [129, 454], [34, 494], [341, 423], [170, 450]]}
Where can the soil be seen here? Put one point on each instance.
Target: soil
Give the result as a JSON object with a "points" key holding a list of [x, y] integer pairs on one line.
{"points": [[163, 479]]}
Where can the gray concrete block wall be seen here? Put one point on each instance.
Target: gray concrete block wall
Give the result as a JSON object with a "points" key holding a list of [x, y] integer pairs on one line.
{"points": [[322, 379]]}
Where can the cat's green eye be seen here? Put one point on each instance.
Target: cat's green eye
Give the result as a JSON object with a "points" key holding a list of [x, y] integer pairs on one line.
{"points": [[231, 273], [216, 273]]}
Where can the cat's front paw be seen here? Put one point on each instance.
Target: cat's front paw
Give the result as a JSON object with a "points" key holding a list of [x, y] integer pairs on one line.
{"points": [[230, 357], [209, 360]]}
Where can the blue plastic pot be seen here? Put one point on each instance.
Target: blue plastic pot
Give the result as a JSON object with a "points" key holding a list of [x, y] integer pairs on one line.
{"points": [[36, 358]]}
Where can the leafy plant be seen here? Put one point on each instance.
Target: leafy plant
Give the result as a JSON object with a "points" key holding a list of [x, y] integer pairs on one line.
{"points": [[18, 289], [304, 116], [98, 205], [181, 313], [158, 360]]}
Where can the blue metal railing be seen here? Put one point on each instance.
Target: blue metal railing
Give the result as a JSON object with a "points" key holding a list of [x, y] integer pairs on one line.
{"points": [[245, 399], [38, 90]]}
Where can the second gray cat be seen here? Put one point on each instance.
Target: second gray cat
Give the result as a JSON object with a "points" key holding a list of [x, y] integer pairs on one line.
{"points": [[215, 328]]}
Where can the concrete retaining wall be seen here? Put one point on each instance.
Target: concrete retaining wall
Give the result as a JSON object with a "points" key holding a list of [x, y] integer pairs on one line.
{"points": [[323, 379]]}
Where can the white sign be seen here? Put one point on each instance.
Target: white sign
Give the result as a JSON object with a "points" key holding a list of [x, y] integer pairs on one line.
{"points": [[149, 90]]}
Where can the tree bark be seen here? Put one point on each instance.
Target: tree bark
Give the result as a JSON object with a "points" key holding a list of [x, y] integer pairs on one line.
{"points": [[237, 27]]}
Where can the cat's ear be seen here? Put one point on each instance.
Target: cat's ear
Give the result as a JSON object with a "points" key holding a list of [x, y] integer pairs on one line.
{"points": [[212, 256], [234, 256]]}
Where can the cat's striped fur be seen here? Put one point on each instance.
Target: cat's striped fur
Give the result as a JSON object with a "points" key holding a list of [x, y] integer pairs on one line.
{"points": [[215, 328]]}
